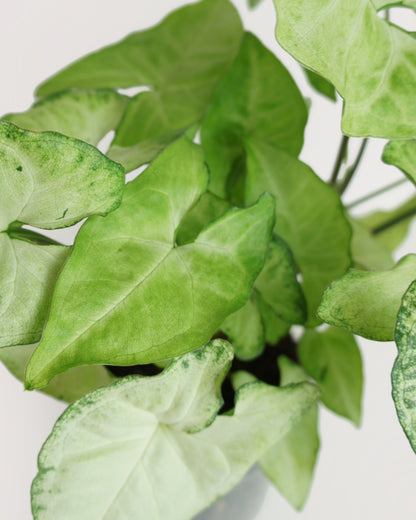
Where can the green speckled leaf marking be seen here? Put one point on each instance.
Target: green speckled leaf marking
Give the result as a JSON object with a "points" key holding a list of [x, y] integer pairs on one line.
{"points": [[369, 61], [152, 439], [403, 375], [129, 265], [366, 303], [403, 155]]}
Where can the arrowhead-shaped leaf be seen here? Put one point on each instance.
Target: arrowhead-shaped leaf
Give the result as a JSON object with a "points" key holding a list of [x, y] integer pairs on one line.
{"points": [[70, 386], [403, 376], [304, 205], [155, 443], [366, 303], [128, 295], [369, 61], [180, 59], [333, 359], [84, 114], [48, 181], [290, 463], [258, 98]]}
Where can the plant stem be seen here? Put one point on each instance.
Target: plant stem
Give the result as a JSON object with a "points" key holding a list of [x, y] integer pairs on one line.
{"points": [[376, 193], [342, 151], [352, 169], [392, 222]]}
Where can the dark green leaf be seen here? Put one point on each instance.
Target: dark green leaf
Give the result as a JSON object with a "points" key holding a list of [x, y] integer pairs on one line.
{"points": [[320, 84]]}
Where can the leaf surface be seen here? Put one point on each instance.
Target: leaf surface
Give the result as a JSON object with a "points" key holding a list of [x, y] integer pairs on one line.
{"points": [[403, 376], [369, 61], [290, 463], [309, 217], [321, 85], [69, 386], [402, 153], [156, 443], [366, 303], [51, 181], [27, 277], [257, 97], [84, 114], [180, 61], [245, 330], [128, 265], [368, 252], [333, 359]]}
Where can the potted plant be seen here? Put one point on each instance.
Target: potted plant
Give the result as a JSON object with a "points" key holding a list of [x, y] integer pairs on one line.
{"points": [[185, 322]]}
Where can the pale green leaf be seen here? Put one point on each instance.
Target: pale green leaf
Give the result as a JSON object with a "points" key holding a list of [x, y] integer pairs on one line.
{"points": [[69, 386], [257, 97], [158, 460], [333, 359], [320, 84], [245, 330], [51, 181], [290, 463], [180, 60], [27, 276], [309, 217], [369, 61], [403, 155], [390, 228], [366, 303], [367, 252], [84, 114], [403, 376], [128, 265]]}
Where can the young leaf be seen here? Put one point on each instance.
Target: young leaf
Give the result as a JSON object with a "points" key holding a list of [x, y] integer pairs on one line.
{"points": [[166, 451], [180, 59], [84, 114], [51, 181], [320, 84], [366, 303], [245, 330], [27, 278], [256, 97], [403, 155], [309, 217], [369, 61], [69, 386], [403, 376], [128, 266], [290, 463], [333, 359]]}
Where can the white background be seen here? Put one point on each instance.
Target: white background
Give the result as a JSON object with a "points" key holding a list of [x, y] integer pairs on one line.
{"points": [[361, 474]]}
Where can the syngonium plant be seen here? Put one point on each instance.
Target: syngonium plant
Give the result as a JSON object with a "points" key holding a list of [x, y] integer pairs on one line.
{"points": [[168, 323]]}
